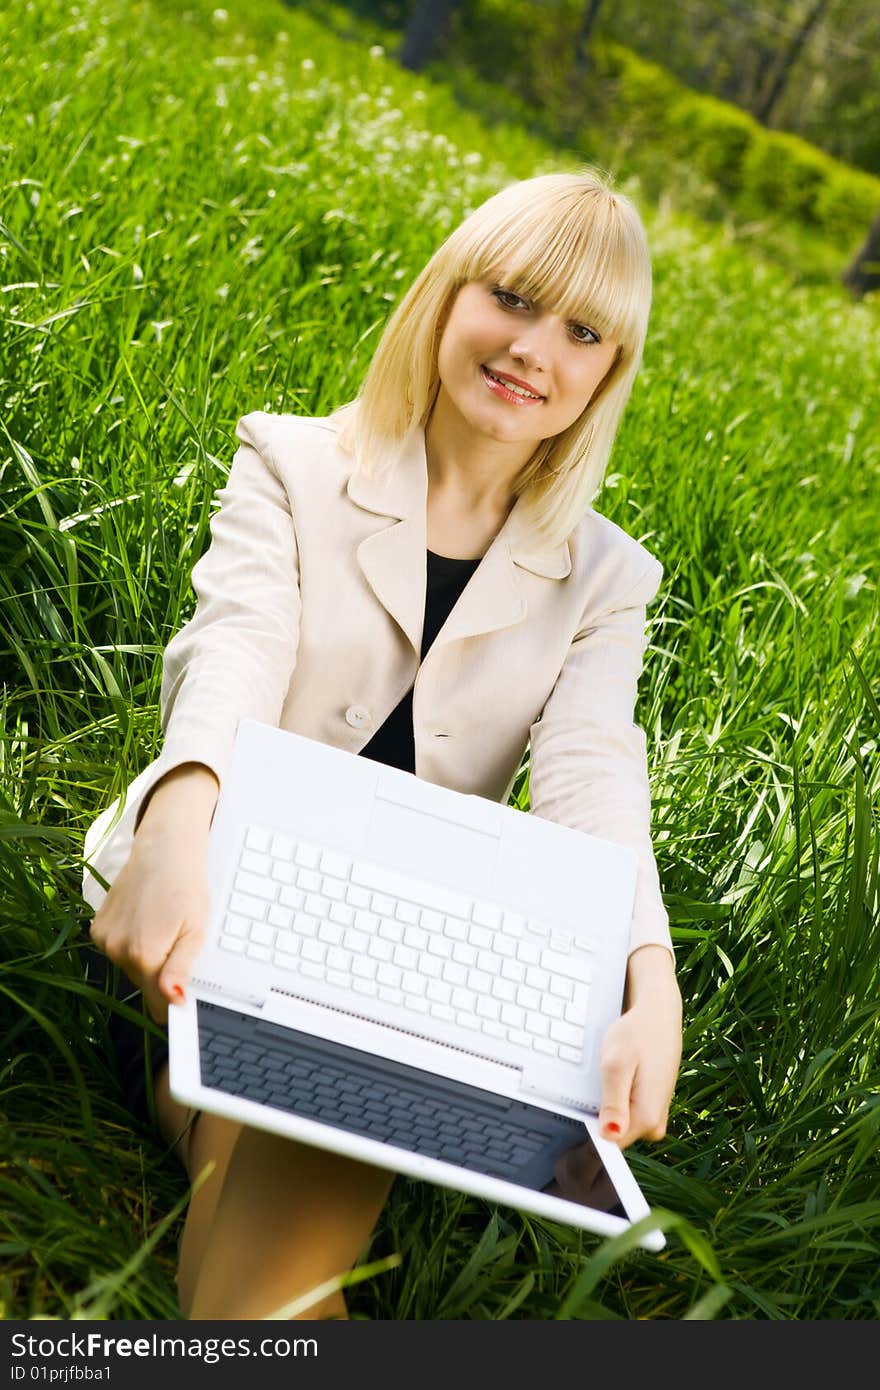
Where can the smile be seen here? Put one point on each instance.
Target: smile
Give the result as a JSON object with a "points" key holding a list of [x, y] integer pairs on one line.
{"points": [[516, 394]]}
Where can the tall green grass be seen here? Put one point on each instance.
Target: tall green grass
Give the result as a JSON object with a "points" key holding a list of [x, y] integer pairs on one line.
{"points": [[201, 217]]}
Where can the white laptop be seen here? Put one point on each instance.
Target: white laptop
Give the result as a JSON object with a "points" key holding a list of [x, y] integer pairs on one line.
{"points": [[414, 977]]}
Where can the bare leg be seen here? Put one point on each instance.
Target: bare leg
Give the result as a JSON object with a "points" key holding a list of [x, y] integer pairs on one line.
{"points": [[274, 1219]]}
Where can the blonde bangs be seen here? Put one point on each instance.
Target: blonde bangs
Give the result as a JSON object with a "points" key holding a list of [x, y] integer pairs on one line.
{"points": [[584, 258]]}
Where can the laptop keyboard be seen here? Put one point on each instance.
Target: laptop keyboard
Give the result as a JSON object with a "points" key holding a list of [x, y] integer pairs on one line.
{"points": [[380, 1098], [428, 952]]}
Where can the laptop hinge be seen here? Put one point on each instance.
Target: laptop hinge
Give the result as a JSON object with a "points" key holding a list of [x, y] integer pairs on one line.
{"points": [[543, 1080], [243, 996]]}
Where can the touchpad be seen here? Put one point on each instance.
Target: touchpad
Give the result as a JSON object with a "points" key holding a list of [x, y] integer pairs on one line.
{"points": [[416, 842]]}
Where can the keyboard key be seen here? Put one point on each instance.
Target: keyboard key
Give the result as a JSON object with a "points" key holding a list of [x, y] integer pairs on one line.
{"points": [[513, 970], [280, 916], [392, 996], [264, 936], [313, 950], [487, 915], [439, 991], [244, 906], [339, 977], [430, 966], [366, 921], [528, 952], [405, 957], [480, 936], [382, 904], [440, 946], [282, 847], [551, 1006], [334, 888], [453, 972], [432, 919], [560, 986], [331, 932], [232, 943], [406, 912], [307, 856], [537, 978], [513, 1015], [464, 953], [494, 1029], [539, 929], [316, 905], [258, 952], [519, 1038], [364, 967], [286, 960], [258, 839], [467, 1020], [413, 983], [455, 928], [312, 969], [358, 897], [478, 980], [504, 945], [545, 1045], [538, 1024], [444, 1011], [355, 940], [502, 989], [565, 1033], [514, 923], [380, 949], [415, 937], [284, 873], [292, 897], [309, 880], [488, 1008], [417, 1002], [389, 974], [570, 1054], [463, 999], [528, 998], [237, 926], [342, 913], [258, 887], [364, 985], [339, 865], [255, 863], [304, 925], [338, 959], [575, 967], [487, 960]]}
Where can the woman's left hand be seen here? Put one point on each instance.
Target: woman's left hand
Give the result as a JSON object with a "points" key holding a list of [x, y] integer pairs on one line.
{"points": [[641, 1051]]}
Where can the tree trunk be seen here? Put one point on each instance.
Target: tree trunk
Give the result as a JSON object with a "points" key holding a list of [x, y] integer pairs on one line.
{"points": [[427, 25], [582, 45], [864, 272], [788, 60]]}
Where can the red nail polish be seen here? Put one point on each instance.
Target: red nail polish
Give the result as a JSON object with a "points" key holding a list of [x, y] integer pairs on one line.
{"points": [[177, 990], [613, 1127]]}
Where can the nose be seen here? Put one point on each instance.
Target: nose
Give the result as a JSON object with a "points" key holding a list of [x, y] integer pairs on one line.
{"points": [[532, 345]]}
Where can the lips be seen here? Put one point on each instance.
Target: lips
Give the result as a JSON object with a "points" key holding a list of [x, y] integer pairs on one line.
{"points": [[499, 387]]}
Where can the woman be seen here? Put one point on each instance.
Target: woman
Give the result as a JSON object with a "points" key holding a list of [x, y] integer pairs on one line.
{"points": [[437, 527]]}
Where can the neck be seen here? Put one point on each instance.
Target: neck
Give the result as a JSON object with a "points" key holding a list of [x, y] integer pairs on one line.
{"points": [[479, 474]]}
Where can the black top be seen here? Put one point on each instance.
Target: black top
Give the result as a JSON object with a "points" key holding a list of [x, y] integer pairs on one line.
{"points": [[394, 743]]}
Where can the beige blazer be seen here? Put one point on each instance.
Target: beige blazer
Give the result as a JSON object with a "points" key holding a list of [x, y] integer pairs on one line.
{"points": [[311, 598]]}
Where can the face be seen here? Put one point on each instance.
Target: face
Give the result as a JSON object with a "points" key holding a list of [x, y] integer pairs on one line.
{"points": [[490, 326]]}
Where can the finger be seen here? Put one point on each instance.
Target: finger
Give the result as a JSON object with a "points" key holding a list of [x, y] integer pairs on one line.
{"points": [[614, 1114], [174, 974]]}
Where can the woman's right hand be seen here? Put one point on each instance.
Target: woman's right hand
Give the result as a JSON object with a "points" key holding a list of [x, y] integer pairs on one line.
{"points": [[153, 919]]}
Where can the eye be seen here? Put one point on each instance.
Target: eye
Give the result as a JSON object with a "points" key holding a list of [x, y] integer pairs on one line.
{"points": [[501, 295]]}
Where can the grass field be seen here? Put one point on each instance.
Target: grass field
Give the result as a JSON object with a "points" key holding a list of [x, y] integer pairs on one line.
{"points": [[200, 217]]}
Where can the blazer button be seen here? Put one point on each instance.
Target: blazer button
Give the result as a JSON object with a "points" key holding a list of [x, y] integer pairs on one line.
{"points": [[357, 717]]}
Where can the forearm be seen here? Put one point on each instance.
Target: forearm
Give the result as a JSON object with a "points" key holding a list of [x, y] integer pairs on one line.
{"points": [[182, 801], [650, 969]]}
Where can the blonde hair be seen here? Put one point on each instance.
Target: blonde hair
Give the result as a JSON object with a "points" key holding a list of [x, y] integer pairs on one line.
{"points": [[566, 240]]}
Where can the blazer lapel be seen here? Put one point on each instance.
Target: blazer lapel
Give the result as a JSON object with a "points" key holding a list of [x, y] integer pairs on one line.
{"points": [[393, 558]]}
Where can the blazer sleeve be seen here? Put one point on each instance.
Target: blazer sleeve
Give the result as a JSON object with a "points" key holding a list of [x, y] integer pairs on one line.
{"points": [[589, 766], [235, 656]]}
